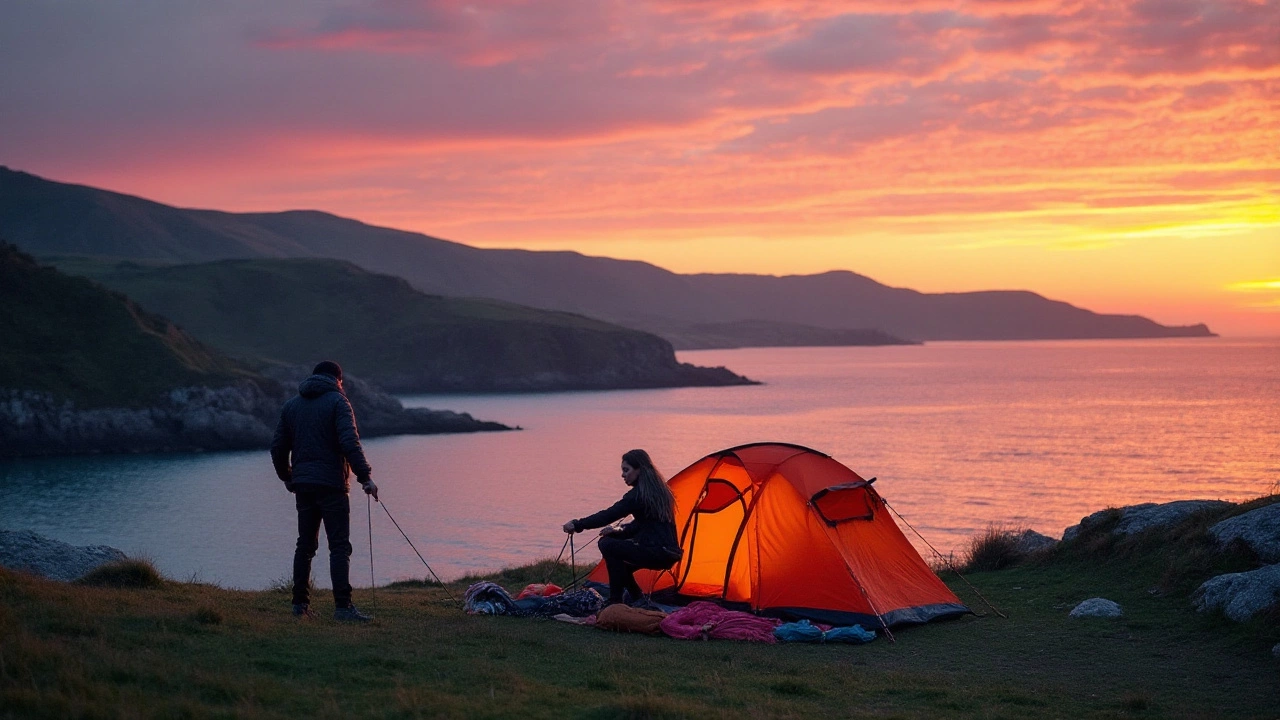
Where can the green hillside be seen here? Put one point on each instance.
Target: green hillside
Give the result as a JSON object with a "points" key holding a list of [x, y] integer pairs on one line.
{"points": [[75, 339], [295, 310]]}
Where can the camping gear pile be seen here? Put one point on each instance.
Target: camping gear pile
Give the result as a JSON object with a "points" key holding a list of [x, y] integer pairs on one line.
{"points": [[700, 620], [486, 598], [780, 530]]}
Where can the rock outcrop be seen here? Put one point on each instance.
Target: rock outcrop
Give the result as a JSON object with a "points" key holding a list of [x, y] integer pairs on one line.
{"points": [[1097, 607], [186, 419], [240, 416], [1240, 596], [1030, 541], [1259, 529], [1136, 518], [30, 552]]}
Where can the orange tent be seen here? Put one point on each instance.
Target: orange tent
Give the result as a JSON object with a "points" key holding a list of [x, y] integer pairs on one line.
{"points": [[789, 530]]}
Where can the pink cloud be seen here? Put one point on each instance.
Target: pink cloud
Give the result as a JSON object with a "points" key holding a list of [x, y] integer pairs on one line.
{"points": [[907, 44], [558, 120]]}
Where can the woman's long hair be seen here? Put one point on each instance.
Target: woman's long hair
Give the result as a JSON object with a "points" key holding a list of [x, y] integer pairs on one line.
{"points": [[651, 487]]}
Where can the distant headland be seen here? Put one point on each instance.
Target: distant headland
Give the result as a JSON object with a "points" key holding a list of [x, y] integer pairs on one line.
{"points": [[47, 218]]}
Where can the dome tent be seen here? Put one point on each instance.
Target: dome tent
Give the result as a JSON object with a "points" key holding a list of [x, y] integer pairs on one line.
{"points": [[790, 531]]}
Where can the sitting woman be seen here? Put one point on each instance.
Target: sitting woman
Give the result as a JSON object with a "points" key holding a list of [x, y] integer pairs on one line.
{"points": [[649, 541]]}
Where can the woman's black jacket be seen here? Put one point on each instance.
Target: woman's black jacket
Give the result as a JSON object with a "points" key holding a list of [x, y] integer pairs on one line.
{"points": [[645, 530]]}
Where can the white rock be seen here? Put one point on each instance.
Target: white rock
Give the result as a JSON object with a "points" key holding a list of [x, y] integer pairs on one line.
{"points": [[27, 551], [1240, 596], [1097, 607], [1259, 529]]}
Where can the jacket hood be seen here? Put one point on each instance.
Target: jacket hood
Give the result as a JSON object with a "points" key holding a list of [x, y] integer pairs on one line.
{"points": [[318, 385]]}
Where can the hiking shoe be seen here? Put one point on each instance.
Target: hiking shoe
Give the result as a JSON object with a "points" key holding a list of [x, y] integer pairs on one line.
{"points": [[350, 614], [303, 610]]}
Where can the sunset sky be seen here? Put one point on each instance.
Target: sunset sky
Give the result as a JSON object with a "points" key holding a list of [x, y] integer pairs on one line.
{"points": [[1120, 155]]}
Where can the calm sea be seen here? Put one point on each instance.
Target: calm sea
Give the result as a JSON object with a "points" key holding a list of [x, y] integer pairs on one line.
{"points": [[960, 435]]}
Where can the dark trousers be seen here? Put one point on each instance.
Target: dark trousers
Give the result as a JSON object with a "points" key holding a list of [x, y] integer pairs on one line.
{"points": [[332, 507], [623, 557]]}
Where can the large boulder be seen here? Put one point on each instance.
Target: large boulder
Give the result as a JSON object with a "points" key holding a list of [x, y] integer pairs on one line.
{"points": [[1030, 541], [1097, 607], [1240, 596], [1136, 518], [54, 559], [1259, 529]]}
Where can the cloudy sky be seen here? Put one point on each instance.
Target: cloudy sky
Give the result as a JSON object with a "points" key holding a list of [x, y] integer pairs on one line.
{"points": [[1123, 155]]}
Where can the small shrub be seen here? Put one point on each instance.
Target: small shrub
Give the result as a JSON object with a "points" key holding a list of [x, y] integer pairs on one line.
{"points": [[284, 585], [130, 573], [995, 549]]}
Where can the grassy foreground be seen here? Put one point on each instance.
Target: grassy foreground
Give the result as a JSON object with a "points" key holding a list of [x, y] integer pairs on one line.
{"points": [[191, 650]]}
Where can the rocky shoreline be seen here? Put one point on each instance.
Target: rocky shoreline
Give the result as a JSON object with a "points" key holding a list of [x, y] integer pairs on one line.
{"points": [[239, 416]]}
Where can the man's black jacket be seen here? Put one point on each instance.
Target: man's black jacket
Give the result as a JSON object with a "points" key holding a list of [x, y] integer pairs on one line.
{"points": [[316, 441]]}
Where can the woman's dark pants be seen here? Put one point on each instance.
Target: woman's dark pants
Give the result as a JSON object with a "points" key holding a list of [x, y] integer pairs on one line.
{"points": [[331, 506], [622, 558]]}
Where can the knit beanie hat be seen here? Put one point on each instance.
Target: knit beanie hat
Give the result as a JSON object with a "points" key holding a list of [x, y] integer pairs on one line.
{"points": [[328, 367]]}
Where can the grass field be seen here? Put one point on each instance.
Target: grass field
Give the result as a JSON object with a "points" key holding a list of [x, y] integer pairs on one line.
{"points": [[191, 650]]}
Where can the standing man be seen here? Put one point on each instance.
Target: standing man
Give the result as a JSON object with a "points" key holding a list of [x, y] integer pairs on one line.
{"points": [[315, 448]]}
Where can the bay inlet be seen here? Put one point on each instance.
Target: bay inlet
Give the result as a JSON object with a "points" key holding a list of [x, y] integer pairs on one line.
{"points": [[960, 435]]}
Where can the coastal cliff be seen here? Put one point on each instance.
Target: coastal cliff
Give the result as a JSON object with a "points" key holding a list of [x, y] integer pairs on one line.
{"points": [[86, 370]]}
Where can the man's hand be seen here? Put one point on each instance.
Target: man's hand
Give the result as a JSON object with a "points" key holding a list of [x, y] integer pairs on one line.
{"points": [[369, 487], [288, 485], [608, 530]]}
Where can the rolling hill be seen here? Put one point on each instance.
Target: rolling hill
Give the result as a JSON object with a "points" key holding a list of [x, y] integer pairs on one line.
{"points": [[50, 218], [69, 337], [293, 311]]}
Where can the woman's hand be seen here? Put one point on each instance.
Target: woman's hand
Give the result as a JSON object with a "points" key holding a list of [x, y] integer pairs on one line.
{"points": [[569, 527]]}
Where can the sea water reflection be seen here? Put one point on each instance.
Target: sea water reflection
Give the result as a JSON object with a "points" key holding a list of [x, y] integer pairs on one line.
{"points": [[960, 435]]}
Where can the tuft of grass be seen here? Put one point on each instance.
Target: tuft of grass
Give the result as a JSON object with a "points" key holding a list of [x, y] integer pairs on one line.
{"points": [[995, 549], [427, 582], [128, 573], [283, 585]]}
